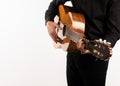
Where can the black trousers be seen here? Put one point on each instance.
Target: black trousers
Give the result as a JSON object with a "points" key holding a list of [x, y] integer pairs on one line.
{"points": [[85, 70]]}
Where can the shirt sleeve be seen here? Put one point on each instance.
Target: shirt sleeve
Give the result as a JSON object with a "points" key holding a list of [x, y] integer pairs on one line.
{"points": [[52, 10], [113, 23]]}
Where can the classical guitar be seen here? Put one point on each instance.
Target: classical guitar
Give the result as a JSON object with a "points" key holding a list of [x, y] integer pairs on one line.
{"points": [[73, 27]]}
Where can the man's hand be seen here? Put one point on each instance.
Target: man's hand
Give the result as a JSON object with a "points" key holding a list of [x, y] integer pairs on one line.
{"points": [[51, 26], [81, 47]]}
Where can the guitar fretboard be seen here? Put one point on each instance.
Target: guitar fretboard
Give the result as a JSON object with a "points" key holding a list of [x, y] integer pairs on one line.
{"points": [[72, 35]]}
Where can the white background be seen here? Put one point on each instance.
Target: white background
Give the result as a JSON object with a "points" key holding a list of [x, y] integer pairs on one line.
{"points": [[27, 55]]}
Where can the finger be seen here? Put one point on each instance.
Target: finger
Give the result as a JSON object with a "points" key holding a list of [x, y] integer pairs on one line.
{"points": [[57, 26], [81, 47], [110, 53], [110, 50], [59, 39], [79, 43], [86, 51], [56, 38]]}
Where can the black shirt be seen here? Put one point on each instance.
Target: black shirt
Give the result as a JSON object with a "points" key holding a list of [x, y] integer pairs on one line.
{"points": [[102, 17]]}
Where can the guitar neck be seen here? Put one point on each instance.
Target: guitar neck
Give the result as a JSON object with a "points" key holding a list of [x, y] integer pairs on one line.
{"points": [[73, 36]]}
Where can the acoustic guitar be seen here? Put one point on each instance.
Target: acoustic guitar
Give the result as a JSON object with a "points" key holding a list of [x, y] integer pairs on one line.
{"points": [[72, 29]]}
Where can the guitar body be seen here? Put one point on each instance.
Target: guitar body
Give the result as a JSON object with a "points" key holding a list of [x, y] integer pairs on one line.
{"points": [[74, 21]]}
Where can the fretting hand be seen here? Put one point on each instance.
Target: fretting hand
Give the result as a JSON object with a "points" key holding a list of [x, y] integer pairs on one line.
{"points": [[81, 47]]}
